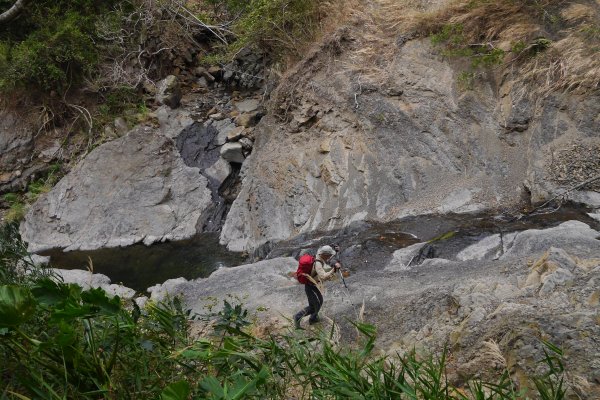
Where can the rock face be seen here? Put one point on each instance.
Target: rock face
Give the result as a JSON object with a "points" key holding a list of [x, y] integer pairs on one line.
{"points": [[16, 141], [401, 138], [16, 146], [545, 285], [133, 189], [169, 92], [87, 280]]}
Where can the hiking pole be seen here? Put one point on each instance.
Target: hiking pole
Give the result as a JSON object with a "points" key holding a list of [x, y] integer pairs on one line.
{"points": [[337, 248]]}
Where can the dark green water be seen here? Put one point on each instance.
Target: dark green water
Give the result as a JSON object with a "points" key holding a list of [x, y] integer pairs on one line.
{"points": [[140, 266]]}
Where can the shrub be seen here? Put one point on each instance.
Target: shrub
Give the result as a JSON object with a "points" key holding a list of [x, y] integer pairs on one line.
{"points": [[51, 46], [280, 27], [554, 44]]}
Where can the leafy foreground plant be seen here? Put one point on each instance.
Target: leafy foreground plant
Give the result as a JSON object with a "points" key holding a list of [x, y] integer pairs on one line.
{"points": [[61, 342], [58, 341]]}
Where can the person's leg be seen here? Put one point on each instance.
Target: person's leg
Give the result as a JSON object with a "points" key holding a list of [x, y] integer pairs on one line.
{"points": [[316, 301], [306, 310]]}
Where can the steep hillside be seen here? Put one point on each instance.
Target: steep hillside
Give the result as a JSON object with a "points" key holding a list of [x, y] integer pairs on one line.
{"points": [[381, 120]]}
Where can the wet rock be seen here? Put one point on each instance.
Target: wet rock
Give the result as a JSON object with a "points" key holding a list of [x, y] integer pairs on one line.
{"points": [[169, 92], [133, 189]]}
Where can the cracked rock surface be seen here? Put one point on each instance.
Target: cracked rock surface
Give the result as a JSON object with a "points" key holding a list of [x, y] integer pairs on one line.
{"points": [[134, 189]]}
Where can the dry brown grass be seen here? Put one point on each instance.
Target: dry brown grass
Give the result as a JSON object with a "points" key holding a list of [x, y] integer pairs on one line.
{"points": [[572, 61]]}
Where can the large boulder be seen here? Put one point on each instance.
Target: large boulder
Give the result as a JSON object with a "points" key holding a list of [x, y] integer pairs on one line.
{"points": [[133, 189]]}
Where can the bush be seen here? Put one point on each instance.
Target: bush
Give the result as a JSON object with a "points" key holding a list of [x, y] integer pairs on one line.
{"points": [[280, 27], [553, 44], [51, 46]]}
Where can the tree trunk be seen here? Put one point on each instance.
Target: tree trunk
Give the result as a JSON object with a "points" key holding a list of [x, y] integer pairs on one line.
{"points": [[13, 12]]}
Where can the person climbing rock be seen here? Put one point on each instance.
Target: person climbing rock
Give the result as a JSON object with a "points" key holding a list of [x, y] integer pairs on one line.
{"points": [[336, 259], [321, 271]]}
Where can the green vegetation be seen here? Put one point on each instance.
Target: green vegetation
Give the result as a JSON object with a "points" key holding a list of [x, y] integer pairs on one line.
{"points": [[19, 203], [551, 44], [16, 208], [58, 341], [280, 27], [52, 46]]}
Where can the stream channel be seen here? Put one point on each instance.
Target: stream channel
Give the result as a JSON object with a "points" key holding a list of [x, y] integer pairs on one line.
{"points": [[364, 245]]}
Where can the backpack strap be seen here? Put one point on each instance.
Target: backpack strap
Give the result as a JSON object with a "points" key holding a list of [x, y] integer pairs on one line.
{"points": [[317, 261]]}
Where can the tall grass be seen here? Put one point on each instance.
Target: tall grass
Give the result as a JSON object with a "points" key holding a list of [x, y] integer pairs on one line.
{"points": [[553, 43]]}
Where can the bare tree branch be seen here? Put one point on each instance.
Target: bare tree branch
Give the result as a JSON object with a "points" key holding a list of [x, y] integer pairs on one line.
{"points": [[13, 12]]}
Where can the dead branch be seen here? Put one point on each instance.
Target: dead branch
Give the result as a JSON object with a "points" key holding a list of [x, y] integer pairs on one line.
{"points": [[577, 187], [13, 12]]}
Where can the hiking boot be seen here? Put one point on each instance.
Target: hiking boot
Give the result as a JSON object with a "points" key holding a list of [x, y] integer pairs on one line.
{"points": [[297, 322], [314, 321]]}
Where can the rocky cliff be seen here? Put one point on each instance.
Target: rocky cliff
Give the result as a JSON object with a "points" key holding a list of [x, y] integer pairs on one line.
{"points": [[378, 130]]}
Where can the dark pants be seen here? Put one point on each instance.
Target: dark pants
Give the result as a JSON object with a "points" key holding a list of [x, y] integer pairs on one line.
{"points": [[315, 301]]}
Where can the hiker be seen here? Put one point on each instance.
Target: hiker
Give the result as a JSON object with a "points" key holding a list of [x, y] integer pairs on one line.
{"points": [[335, 259], [321, 271]]}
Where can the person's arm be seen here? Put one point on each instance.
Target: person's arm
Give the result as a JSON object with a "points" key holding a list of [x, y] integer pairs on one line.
{"points": [[321, 271]]}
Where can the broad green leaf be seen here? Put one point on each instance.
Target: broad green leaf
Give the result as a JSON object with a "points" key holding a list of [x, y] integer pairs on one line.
{"points": [[211, 385], [50, 293], [176, 391], [98, 299], [16, 305]]}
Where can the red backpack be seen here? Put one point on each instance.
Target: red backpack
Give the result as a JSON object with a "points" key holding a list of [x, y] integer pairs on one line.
{"points": [[305, 267]]}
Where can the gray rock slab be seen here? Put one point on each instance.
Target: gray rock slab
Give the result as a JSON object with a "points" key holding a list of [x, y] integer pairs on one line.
{"points": [[485, 248], [248, 105], [88, 280], [401, 258], [169, 92], [575, 235], [16, 141], [84, 279], [219, 171], [265, 283], [233, 152], [133, 189]]}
